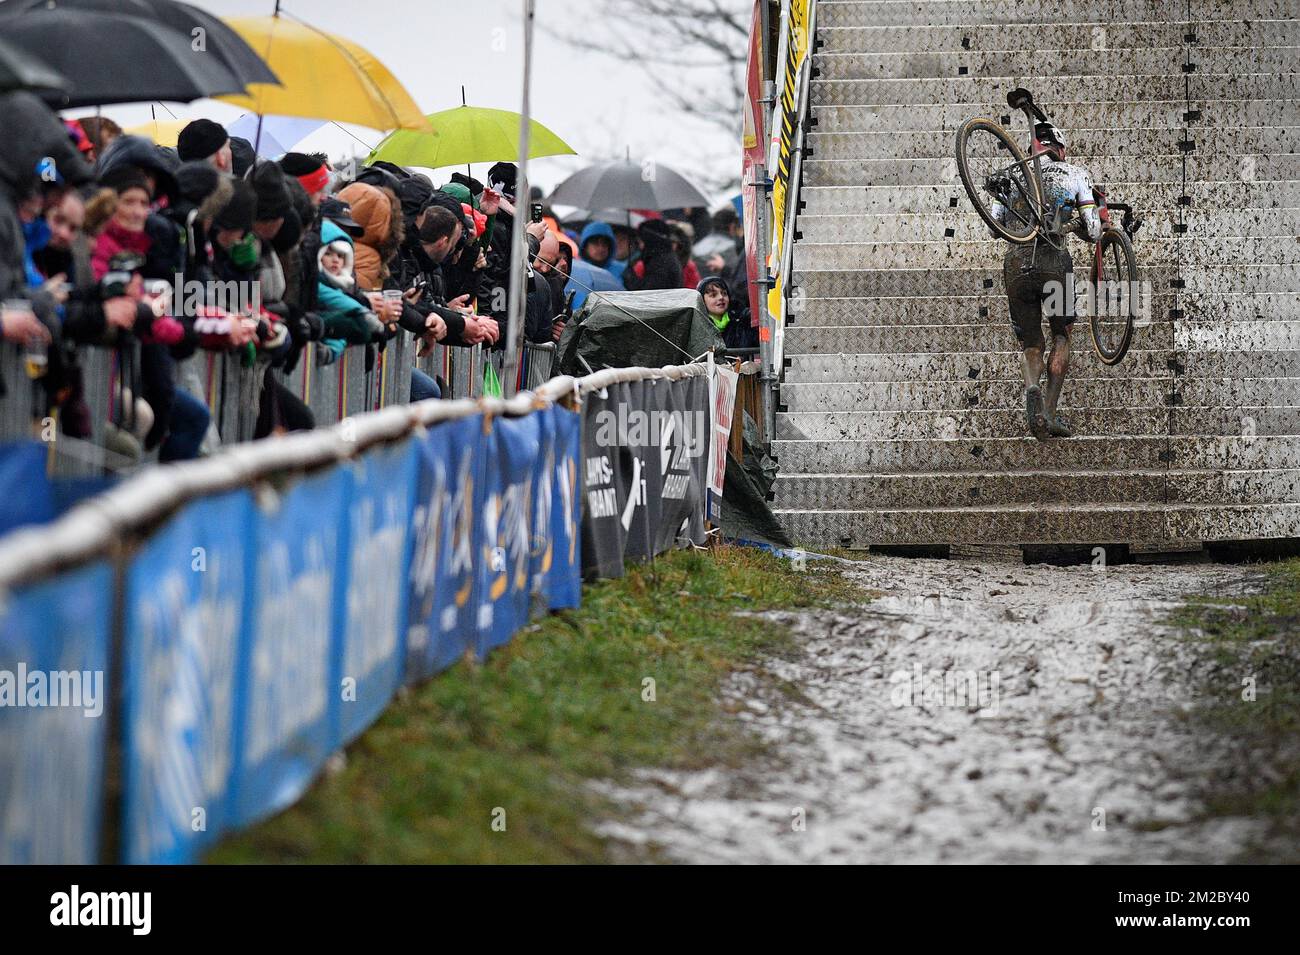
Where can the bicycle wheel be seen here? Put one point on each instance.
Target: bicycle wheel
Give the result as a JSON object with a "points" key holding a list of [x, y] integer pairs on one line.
{"points": [[1115, 297], [995, 170]]}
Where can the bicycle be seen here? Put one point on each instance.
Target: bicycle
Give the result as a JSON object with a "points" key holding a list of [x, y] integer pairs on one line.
{"points": [[1018, 187]]}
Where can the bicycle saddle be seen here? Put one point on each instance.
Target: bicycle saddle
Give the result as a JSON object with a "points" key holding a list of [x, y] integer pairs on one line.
{"points": [[1019, 97]]}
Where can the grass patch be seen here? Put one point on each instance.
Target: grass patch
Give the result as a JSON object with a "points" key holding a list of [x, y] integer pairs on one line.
{"points": [[1252, 636], [561, 704]]}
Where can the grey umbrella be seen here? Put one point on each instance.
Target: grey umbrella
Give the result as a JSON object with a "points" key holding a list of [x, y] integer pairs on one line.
{"points": [[628, 184], [115, 58], [22, 71]]}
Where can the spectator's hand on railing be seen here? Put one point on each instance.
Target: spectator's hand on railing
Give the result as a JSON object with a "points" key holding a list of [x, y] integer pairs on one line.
{"points": [[491, 330], [22, 325], [435, 327]]}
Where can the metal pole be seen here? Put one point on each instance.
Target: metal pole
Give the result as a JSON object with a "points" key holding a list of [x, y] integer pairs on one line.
{"points": [[516, 299]]}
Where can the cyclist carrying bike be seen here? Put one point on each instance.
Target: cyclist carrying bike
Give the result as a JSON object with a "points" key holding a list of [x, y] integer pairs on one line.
{"points": [[1034, 273]]}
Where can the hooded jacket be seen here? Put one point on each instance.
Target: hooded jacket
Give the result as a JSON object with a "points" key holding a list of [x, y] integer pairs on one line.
{"points": [[343, 315], [611, 265], [373, 211]]}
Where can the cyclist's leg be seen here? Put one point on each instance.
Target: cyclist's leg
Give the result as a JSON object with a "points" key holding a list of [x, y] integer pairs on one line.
{"points": [[1024, 302], [1061, 320]]}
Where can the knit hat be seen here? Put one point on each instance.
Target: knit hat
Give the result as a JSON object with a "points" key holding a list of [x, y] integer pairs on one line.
{"points": [[242, 156], [195, 181], [124, 177], [273, 201], [309, 171], [713, 280], [459, 192], [201, 139], [502, 178], [469, 182], [239, 211]]}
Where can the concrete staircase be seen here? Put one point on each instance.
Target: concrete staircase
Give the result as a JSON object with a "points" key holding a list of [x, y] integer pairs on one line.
{"points": [[901, 417]]}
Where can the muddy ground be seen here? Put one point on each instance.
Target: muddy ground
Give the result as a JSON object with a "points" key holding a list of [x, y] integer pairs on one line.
{"points": [[1055, 736]]}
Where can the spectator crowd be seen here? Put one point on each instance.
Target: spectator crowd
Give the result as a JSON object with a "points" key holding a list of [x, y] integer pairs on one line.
{"points": [[107, 238]]}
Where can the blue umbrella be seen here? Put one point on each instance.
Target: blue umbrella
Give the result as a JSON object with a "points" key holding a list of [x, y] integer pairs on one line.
{"points": [[585, 278], [279, 133]]}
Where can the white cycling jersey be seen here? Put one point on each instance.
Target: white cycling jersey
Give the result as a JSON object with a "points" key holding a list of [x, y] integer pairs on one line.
{"points": [[1064, 183]]}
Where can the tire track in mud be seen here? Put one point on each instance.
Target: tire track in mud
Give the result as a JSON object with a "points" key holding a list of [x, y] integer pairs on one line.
{"points": [[991, 713]]}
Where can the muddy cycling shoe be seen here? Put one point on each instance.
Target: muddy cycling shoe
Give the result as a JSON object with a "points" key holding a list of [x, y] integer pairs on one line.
{"points": [[1034, 412], [1057, 428]]}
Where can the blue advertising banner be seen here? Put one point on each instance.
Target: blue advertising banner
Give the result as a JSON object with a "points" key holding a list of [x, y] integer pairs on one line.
{"points": [[563, 584], [504, 587], [291, 699], [449, 488], [186, 617], [541, 552], [374, 593], [26, 494], [54, 697]]}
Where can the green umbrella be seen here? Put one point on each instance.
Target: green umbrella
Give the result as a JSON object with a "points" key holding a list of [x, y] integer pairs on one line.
{"points": [[467, 134]]}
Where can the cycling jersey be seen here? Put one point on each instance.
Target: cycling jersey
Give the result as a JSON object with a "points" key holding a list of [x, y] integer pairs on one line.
{"points": [[1064, 183]]}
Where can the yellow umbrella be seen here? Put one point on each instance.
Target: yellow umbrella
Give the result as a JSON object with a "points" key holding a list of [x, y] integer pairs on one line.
{"points": [[322, 76], [164, 132]]}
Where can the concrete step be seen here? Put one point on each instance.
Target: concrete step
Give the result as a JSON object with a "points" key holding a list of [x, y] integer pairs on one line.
{"points": [[885, 492], [1049, 91], [1207, 198], [1088, 113], [979, 423], [997, 365], [1075, 523], [1004, 455], [885, 13], [951, 339], [1080, 392], [1021, 58], [965, 226], [846, 283], [1191, 251], [924, 38], [1085, 144], [922, 311], [914, 172]]}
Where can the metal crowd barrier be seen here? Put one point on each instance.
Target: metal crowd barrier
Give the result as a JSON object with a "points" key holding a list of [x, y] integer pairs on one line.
{"points": [[20, 405], [537, 365]]}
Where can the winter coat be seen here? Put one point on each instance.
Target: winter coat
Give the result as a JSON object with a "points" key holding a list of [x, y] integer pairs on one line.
{"points": [[373, 212], [344, 316], [612, 265]]}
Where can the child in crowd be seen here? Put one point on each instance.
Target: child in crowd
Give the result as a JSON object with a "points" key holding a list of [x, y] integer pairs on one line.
{"points": [[735, 330], [346, 318]]}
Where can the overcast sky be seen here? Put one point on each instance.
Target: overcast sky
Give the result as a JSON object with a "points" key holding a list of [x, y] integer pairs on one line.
{"points": [[597, 105]]}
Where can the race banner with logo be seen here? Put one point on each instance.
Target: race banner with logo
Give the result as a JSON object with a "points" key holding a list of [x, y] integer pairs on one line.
{"points": [[564, 575], [443, 612], [645, 446], [185, 623], [722, 403], [785, 127], [505, 529], [754, 151], [377, 541], [293, 688], [603, 487], [54, 703]]}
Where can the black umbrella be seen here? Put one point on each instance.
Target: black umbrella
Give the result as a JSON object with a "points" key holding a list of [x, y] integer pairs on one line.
{"points": [[22, 71], [211, 34], [114, 58], [626, 184]]}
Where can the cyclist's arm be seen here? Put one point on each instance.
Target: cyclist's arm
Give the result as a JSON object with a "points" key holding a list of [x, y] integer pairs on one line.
{"points": [[1085, 206]]}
